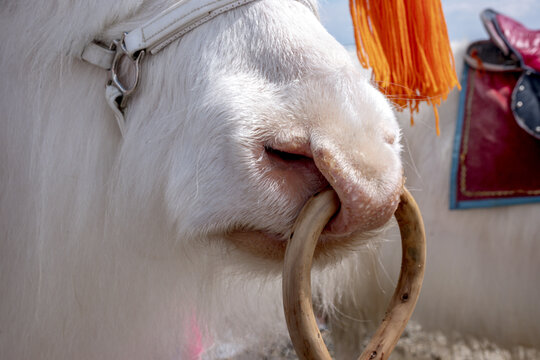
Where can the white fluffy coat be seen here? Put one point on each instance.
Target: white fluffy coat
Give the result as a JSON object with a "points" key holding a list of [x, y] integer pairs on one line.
{"points": [[110, 247]]}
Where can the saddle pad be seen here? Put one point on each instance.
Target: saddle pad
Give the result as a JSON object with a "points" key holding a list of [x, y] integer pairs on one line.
{"points": [[494, 161]]}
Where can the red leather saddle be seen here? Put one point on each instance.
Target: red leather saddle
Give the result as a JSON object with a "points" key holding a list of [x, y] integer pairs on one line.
{"points": [[496, 159]]}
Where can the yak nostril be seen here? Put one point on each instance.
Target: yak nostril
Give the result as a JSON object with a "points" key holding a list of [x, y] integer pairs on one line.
{"points": [[285, 156], [294, 170], [290, 157]]}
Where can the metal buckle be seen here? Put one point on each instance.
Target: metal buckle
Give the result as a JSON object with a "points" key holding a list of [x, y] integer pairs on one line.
{"points": [[120, 51]]}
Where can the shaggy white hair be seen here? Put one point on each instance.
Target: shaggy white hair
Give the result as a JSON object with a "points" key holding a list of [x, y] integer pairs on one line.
{"points": [[109, 247]]}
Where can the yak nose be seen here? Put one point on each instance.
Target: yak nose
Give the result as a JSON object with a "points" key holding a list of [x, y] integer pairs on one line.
{"points": [[368, 186], [368, 179]]}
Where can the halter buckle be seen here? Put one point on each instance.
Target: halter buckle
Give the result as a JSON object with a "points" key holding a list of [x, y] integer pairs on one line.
{"points": [[114, 80]]}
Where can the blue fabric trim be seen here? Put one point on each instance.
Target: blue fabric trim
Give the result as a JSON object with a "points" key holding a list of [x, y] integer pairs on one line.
{"points": [[457, 138], [471, 204]]}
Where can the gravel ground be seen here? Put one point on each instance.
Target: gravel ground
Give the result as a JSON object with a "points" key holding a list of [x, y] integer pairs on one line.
{"points": [[418, 345]]}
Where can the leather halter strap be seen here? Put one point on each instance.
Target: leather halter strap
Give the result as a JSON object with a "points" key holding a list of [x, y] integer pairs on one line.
{"points": [[150, 38]]}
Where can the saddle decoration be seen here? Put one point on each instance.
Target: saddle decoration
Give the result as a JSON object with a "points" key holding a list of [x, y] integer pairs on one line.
{"points": [[512, 47], [497, 142]]}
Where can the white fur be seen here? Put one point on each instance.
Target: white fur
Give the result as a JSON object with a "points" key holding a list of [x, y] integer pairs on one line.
{"points": [[109, 247]]}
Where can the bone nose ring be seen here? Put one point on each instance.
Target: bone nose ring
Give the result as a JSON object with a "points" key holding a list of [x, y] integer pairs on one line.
{"points": [[297, 302]]}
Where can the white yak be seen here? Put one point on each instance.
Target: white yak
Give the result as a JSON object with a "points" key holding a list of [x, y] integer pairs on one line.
{"points": [[144, 246], [114, 248]]}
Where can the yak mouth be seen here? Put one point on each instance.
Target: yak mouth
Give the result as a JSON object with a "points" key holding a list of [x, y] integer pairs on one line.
{"points": [[298, 176], [272, 246]]}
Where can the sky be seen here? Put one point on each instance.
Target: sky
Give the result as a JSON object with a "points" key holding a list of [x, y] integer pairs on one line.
{"points": [[462, 17]]}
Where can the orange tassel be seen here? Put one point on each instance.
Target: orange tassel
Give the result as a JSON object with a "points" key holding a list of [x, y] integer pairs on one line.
{"points": [[406, 44]]}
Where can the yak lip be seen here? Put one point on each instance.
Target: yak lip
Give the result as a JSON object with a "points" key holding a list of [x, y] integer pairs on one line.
{"points": [[260, 243], [268, 245]]}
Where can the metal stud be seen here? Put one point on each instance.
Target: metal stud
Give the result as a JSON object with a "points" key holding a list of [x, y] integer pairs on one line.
{"points": [[537, 129], [521, 87], [519, 104]]}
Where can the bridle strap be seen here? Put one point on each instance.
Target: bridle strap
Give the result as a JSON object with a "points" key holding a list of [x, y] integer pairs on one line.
{"points": [[176, 21], [150, 38]]}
